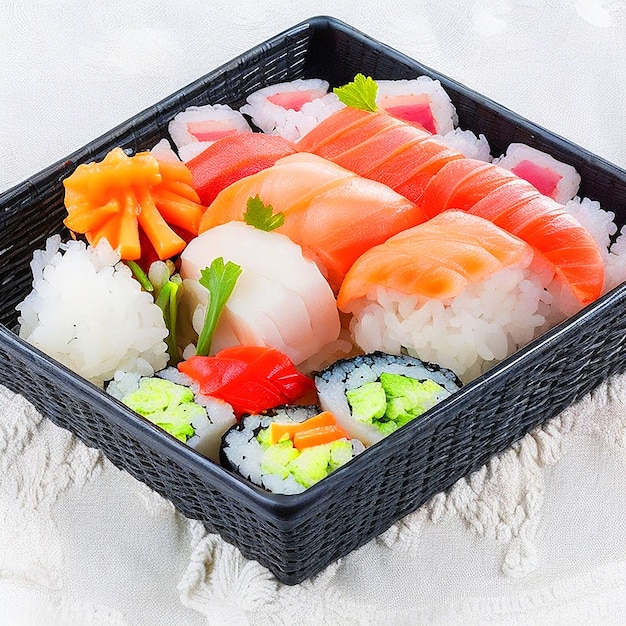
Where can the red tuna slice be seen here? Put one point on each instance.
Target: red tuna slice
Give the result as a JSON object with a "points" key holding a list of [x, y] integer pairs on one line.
{"points": [[232, 158], [332, 126], [542, 178]]}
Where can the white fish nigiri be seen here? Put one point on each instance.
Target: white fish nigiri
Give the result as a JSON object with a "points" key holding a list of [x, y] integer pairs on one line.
{"points": [[280, 300]]}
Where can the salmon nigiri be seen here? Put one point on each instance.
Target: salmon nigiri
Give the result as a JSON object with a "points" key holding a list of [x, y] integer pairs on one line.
{"points": [[436, 259], [331, 212], [512, 203], [435, 177], [456, 290]]}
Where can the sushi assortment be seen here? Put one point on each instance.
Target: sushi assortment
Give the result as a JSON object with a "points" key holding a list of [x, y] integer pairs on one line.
{"points": [[285, 285]]}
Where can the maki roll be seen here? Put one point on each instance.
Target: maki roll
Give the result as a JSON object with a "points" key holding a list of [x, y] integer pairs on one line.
{"points": [[421, 100], [552, 178], [288, 449], [198, 127], [291, 109], [174, 408], [373, 395]]}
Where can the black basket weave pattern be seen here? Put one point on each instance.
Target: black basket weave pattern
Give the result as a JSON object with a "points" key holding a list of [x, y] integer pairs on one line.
{"points": [[297, 536]]}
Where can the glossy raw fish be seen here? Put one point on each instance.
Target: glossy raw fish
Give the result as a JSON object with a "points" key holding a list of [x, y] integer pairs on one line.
{"points": [[437, 178], [512, 203], [331, 212], [436, 259]]}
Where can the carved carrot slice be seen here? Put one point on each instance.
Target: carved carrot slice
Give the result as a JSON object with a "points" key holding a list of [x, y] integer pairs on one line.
{"points": [[120, 195]]}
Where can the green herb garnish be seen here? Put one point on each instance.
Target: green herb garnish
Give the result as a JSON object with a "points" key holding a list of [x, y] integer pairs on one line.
{"points": [[359, 94], [140, 275], [167, 300], [220, 279], [262, 216]]}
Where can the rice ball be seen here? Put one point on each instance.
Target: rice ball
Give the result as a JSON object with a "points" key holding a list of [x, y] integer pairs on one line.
{"points": [[89, 313]]}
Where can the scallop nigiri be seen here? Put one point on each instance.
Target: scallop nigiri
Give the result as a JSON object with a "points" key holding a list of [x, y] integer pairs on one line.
{"points": [[331, 212], [457, 290], [281, 299]]}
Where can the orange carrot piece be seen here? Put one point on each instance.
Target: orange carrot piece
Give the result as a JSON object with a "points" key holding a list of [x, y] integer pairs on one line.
{"points": [[179, 211], [182, 189], [128, 245], [278, 430], [172, 170], [84, 217], [318, 436], [113, 198], [164, 240], [115, 171], [109, 231]]}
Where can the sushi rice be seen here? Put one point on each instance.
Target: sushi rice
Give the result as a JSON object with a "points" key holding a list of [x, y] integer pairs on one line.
{"points": [[89, 313], [467, 334]]}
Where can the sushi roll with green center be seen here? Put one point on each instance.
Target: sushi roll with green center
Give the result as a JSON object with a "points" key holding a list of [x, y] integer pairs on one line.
{"points": [[173, 407], [287, 449], [373, 395]]}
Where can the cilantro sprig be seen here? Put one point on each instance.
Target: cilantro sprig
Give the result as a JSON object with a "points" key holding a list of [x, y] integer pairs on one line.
{"points": [[220, 279], [262, 216], [359, 94]]}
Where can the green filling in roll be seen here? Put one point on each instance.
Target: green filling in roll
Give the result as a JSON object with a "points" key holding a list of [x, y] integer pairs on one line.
{"points": [[392, 400]]}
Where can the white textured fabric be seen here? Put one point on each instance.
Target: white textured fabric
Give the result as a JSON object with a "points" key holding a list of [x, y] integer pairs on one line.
{"points": [[536, 536]]}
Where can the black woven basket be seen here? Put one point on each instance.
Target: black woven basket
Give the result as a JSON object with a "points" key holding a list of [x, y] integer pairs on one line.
{"points": [[297, 536]]}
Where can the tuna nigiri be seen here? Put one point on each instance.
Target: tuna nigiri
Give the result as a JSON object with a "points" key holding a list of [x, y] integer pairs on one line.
{"points": [[331, 212]]}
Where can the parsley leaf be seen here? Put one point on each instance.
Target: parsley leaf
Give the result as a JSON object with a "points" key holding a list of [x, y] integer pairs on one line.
{"points": [[359, 94], [220, 279], [261, 216]]}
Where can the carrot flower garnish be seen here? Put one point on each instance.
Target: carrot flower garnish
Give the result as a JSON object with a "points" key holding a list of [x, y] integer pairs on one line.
{"points": [[116, 197]]}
